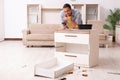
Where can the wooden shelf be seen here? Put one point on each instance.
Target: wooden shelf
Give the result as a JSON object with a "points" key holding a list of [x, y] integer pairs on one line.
{"points": [[33, 13], [52, 9], [92, 4], [77, 4]]}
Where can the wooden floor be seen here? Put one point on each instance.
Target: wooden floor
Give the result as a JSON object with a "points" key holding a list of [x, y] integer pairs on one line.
{"points": [[17, 63]]}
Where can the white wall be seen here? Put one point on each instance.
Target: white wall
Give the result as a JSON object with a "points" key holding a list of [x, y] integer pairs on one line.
{"points": [[1, 20], [106, 5], [16, 12], [15, 18]]}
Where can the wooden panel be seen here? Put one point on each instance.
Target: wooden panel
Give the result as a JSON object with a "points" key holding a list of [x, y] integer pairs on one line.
{"points": [[50, 15], [72, 38]]}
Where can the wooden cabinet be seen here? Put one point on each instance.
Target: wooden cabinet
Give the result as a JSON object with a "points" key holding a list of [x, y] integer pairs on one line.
{"points": [[79, 46], [33, 13], [117, 34], [92, 12], [51, 15], [88, 11]]}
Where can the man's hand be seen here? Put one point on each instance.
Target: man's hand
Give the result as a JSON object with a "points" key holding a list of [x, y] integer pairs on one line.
{"points": [[72, 23], [68, 18], [64, 27]]}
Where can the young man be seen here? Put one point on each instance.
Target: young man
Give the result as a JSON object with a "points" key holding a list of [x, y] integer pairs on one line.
{"points": [[70, 17]]}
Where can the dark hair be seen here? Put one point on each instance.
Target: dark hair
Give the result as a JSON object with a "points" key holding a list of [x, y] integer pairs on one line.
{"points": [[66, 6]]}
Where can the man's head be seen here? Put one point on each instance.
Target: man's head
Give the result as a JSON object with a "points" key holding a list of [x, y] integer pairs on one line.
{"points": [[67, 9]]}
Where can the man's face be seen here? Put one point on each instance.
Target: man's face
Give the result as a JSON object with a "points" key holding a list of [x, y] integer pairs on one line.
{"points": [[67, 11]]}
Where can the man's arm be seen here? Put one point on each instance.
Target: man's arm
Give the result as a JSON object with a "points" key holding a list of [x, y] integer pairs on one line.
{"points": [[78, 19], [73, 23], [63, 22]]}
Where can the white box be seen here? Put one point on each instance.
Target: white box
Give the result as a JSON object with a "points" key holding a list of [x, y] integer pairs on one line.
{"points": [[53, 68]]}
